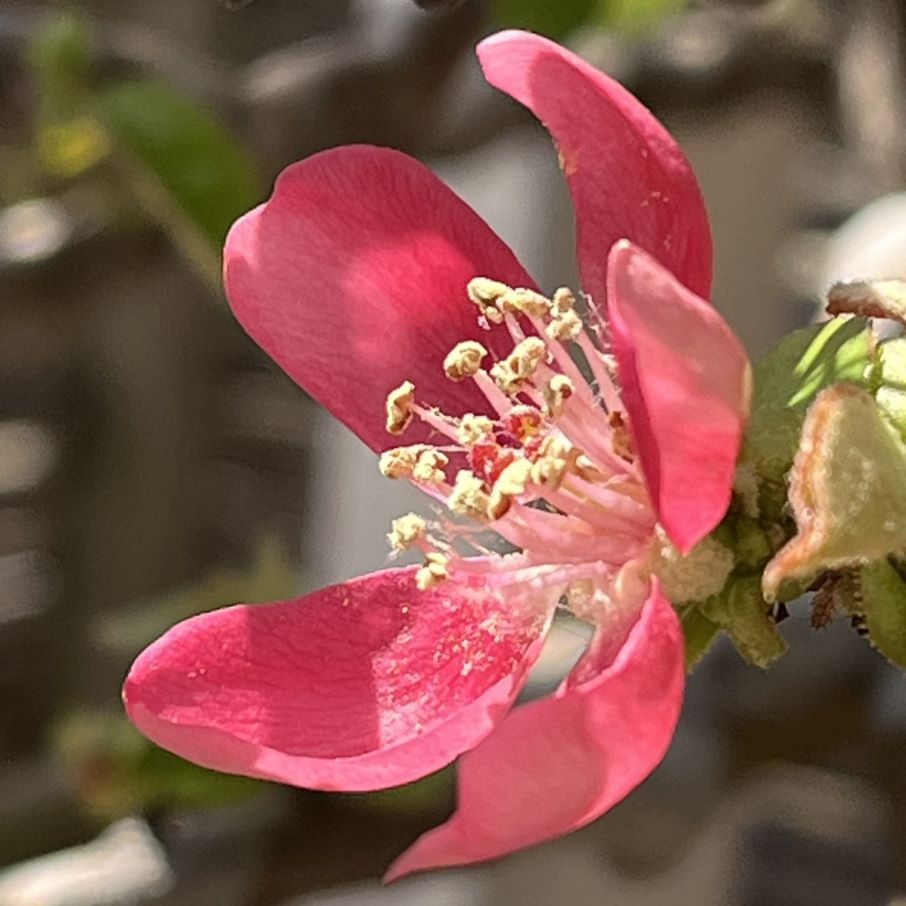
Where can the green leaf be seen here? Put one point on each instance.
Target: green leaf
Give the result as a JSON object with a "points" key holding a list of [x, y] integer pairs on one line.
{"points": [[741, 610], [118, 772], [270, 576], [883, 594], [699, 632], [891, 392], [553, 19], [60, 56], [186, 150], [636, 16], [789, 377], [847, 490]]}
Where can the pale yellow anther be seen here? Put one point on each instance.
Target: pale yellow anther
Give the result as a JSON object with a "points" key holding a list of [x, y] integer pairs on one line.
{"points": [[399, 407], [472, 428], [469, 496], [407, 531], [400, 462], [555, 458], [464, 360], [564, 327], [562, 301], [434, 571], [556, 392], [505, 378], [513, 481], [525, 302], [430, 467], [486, 294], [520, 365]]}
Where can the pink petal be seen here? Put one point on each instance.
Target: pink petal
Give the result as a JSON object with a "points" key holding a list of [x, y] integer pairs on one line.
{"points": [[555, 764], [686, 383], [358, 686], [627, 175], [353, 278]]}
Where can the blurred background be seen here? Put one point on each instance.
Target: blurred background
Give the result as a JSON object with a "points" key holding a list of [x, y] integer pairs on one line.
{"points": [[154, 464]]}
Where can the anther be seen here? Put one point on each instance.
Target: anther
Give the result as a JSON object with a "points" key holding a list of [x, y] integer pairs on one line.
{"points": [[513, 481], [400, 462], [566, 326], [399, 407], [429, 467], [556, 392], [472, 428], [469, 496], [485, 294], [525, 302], [464, 360], [407, 531], [520, 365], [555, 458], [434, 571], [562, 301]]}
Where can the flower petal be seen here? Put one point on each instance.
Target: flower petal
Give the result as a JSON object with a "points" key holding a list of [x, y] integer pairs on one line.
{"points": [[555, 764], [627, 175], [686, 383], [353, 278], [359, 686]]}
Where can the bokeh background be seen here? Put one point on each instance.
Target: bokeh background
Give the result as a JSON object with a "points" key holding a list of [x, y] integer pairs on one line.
{"points": [[153, 463]]}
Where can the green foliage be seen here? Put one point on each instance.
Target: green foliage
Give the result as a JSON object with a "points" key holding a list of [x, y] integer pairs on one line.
{"points": [[741, 610], [789, 377], [891, 390], [60, 56], [116, 771], [635, 16], [271, 576], [848, 492], [558, 18], [425, 796], [186, 150], [699, 633], [555, 20], [883, 602]]}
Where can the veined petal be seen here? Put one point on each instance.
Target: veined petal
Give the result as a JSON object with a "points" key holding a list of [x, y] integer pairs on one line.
{"points": [[353, 278], [686, 383], [358, 686], [555, 764], [627, 175]]}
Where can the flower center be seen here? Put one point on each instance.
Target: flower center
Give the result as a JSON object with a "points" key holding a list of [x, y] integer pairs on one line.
{"points": [[550, 466]]}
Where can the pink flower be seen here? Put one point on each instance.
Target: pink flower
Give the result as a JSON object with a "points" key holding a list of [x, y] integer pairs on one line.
{"points": [[353, 276]]}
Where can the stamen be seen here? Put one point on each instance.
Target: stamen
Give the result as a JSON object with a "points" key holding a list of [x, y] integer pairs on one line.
{"points": [[556, 392], [602, 369], [400, 461], [433, 572], [472, 428], [485, 294], [513, 481], [407, 531], [469, 496], [520, 366], [430, 467], [464, 360], [399, 407], [551, 465], [524, 302]]}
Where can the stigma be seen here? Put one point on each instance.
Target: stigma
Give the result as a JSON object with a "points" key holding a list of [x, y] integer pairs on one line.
{"points": [[548, 465]]}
